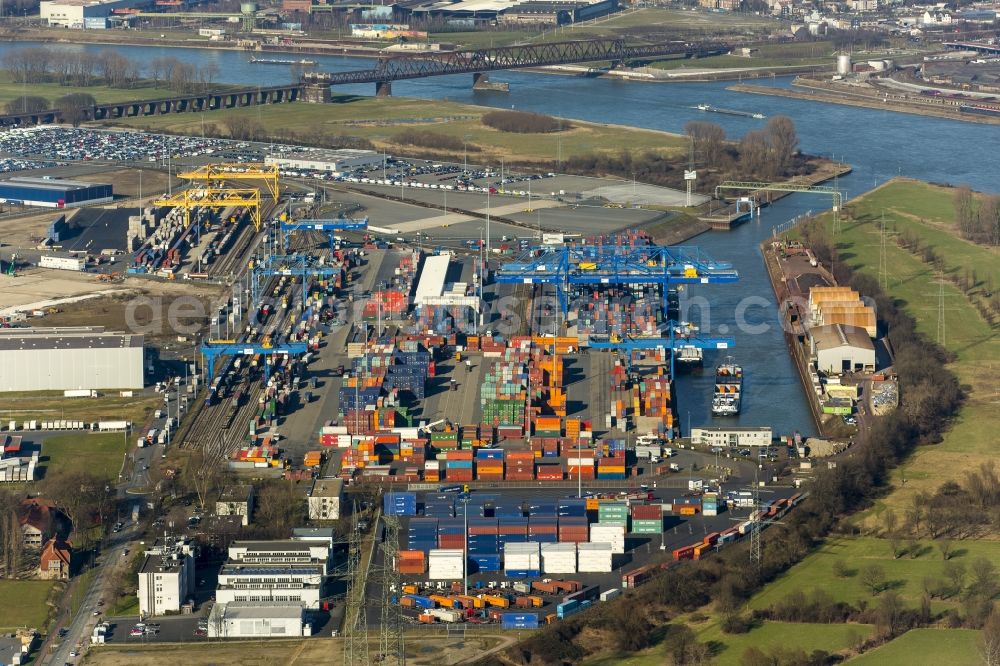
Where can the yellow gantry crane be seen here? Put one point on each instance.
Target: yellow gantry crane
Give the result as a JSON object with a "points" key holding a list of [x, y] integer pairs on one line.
{"points": [[215, 197], [212, 173]]}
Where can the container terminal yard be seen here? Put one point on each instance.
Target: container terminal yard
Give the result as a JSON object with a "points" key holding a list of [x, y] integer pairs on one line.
{"points": [[497, 416]]}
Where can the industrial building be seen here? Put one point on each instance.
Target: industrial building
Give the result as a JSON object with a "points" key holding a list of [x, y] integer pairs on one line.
{"points": [[837, 349], [336, 161], [278, 571], [89, 14], [558, 12], [433, 290], [324, 501], [260, 619], [62, 261], [236, 501], [733, 436], [166, 579], [53, 192], [841, 305], [47, 359]]}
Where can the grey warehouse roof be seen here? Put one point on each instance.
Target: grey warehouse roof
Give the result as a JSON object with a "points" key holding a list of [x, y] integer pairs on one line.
{"points": [[52, 183], [257, 610], [26, 339]]}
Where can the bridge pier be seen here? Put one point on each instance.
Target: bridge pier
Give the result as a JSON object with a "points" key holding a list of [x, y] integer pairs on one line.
{"points": [[383, 88], [317, 93], [481, 81]]}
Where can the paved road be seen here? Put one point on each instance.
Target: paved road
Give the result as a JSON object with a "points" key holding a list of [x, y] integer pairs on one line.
{"points": [[83, 624]]}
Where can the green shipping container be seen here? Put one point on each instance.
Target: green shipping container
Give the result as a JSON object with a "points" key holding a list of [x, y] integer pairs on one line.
{"points": [[647, 526]]}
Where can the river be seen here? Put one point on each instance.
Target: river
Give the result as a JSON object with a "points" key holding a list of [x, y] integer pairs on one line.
{"points": [[877, 144]]}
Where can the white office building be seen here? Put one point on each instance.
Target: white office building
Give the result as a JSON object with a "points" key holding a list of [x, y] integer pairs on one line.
{"points": [[167, 578], [288, 572], [727, 437], [324, 500]]}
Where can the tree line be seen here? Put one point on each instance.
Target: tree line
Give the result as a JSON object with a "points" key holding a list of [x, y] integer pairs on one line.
{"points": [[766, 154], [108, 67], [978, 218], [930, 397]]}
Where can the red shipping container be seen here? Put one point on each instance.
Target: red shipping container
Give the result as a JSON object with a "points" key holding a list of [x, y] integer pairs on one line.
{"points": [[647, 511]]}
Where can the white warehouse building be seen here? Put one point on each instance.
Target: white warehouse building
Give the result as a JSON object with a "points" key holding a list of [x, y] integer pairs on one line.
{"points": [[265, 619], [60, 359], [335, 161], [838, 348]]}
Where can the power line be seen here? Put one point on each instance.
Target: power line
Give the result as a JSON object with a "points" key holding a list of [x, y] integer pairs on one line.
{"points": [[355, 627], [391, 629]]}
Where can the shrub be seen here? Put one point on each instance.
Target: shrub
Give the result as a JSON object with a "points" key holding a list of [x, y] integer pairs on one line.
{"points": [[523, 122]]}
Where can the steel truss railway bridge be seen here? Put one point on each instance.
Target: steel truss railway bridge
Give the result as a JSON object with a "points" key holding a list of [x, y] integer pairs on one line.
{"points": [[479, 62]]}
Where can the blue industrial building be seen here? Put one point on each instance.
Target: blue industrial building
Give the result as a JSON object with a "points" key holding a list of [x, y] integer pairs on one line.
{"points": [[53, 192]]}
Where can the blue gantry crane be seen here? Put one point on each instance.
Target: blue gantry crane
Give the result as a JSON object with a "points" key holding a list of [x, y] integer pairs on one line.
{"points": [[611, 264], [292, 265], [329, 227], [677, 337], [215, 348]]}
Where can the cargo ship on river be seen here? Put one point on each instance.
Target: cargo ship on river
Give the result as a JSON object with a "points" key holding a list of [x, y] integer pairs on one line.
{"points": [[728, 388]]}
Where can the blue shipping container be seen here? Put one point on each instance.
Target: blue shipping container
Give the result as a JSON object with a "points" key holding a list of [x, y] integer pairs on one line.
{"points": [[519, 620]]}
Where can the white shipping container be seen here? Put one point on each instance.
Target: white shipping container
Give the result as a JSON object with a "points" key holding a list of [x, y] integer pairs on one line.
{"points": [[521, 556], [559, 558], [594, 557], [613, 593], [446, 564], [614, 535], [79, 393], [582, 462], [446, 615], [112, 425]]}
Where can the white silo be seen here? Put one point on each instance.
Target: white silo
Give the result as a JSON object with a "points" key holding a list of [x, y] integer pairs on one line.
{"points": [[844, 64]]}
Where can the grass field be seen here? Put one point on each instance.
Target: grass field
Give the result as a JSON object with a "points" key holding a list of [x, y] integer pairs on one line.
{"points": [[51, 405], [955, 647], [904, 575], [928, 211], [10, 89], [23, 603], [382, 119], [103, 452], [728, 649]]}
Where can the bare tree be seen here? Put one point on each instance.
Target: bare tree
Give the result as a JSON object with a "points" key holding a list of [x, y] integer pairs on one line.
{"points": [[984, 577], [76, 107], [946, 546], [989, 641], [203, 474], [890, 613], [873, 577], [755, 152], [709, 141], [784, 141], [955, 573], [965, 211], [27, 104]]}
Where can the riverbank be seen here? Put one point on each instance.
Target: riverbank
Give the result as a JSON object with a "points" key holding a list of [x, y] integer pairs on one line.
{"points": [[816, 92]]}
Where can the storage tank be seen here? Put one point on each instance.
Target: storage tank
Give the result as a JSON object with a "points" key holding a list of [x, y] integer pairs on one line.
{"points": [[248, 7], [844, 64]]}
